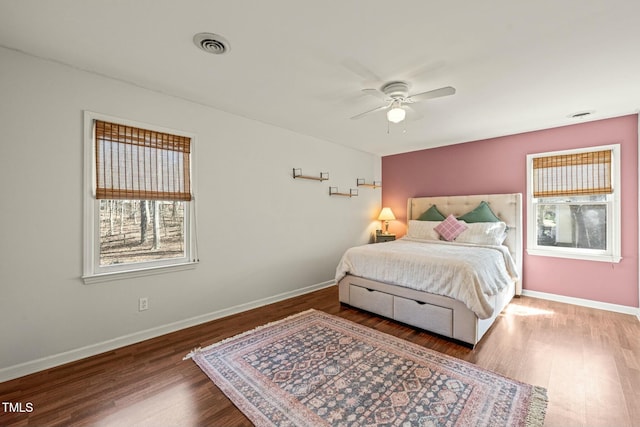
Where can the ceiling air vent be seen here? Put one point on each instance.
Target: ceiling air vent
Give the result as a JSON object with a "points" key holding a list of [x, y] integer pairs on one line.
{"points": [[211, 43], [580, 114]]}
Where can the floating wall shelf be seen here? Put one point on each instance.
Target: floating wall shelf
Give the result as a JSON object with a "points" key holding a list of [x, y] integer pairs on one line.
{"points": [[333, 191], [297, 173], [361, 183]]}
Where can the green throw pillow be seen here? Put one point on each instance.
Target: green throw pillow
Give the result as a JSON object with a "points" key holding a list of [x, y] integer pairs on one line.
{"points": [[482, 213], [431, 214]]}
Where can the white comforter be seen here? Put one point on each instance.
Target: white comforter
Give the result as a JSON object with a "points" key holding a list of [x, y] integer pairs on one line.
{"points": [[468, 273]]}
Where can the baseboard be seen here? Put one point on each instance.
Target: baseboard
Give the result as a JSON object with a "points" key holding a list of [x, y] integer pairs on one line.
{"points": [[635, 311], [37, 365]]}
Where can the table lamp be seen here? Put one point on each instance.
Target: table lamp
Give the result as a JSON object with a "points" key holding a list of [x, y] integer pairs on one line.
{"points": [[386, 215]]}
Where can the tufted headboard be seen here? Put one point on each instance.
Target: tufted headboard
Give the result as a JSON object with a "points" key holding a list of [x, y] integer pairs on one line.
{"points": [[507, 207]]}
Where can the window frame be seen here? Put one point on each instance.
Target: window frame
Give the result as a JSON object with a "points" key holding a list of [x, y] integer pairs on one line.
{"points": [[93, 272], [613, 251]]}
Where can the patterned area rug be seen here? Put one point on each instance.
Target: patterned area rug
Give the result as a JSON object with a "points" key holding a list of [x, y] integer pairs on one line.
{"points": [[315, 369]]}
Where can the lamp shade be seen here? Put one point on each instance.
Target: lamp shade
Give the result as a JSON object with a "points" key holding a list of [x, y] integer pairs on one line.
{"points": [[386, 215]]}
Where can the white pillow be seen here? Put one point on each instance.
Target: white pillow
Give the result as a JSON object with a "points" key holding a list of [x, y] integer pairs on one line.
{"points": [[484, 233], [423, 230]]}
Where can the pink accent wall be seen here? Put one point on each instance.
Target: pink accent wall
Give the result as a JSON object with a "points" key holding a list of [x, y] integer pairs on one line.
{"points": [[498, 165]]}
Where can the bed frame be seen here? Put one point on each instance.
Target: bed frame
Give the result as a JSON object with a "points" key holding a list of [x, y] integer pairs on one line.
{"points": [[439, 314]]}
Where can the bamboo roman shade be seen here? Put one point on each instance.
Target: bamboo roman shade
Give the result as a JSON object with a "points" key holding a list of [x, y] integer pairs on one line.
{"points": [[577, 174], [141, 164]]}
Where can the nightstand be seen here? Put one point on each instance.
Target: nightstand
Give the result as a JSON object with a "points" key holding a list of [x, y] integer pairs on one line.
{"points": [[380, 237]]}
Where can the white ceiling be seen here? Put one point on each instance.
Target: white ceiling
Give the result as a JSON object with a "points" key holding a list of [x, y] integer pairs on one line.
{"points": [[517, 66]]}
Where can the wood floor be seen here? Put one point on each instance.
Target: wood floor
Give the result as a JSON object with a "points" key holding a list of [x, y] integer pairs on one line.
{"points": [[589, 361]]}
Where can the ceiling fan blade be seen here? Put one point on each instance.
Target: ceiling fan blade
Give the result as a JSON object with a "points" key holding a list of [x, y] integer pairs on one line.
{"points": [[362, 71], [376, 93], [358, 116], [413, 113], [436, 93], [423, 70]]}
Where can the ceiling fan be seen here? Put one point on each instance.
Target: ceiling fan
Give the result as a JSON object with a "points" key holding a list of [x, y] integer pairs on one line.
{"points": [[396, 96]]}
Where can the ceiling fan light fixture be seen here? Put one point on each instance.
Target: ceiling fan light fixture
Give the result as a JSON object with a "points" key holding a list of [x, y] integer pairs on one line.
{"points": [[396, 114]]}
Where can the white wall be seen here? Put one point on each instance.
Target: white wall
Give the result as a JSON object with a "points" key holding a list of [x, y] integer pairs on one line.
{"points": [[271, 236]]}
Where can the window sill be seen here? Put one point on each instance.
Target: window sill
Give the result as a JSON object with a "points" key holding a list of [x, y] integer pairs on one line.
{"points": [[129, 274], [573, 255]]}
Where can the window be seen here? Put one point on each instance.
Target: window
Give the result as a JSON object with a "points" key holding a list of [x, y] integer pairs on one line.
{"points": [[574, 204], [139, 213]]}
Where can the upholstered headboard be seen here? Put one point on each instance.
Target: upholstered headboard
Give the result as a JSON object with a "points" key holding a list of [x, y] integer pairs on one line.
{"points": [[508, 207]]}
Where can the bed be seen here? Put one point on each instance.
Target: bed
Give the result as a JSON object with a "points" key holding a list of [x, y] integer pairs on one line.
{"points": [[449, 313]]}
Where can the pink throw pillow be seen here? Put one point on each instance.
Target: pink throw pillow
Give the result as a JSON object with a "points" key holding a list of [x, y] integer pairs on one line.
{"points": [[450, 228]]}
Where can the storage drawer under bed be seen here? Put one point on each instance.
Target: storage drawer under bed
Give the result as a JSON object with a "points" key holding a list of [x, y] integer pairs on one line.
{"points": [[422, 315], [426, 316], [370, 300]]}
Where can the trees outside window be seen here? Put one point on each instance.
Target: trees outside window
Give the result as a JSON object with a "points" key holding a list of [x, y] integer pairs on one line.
{"points": [[139, 213], [574, 204]]}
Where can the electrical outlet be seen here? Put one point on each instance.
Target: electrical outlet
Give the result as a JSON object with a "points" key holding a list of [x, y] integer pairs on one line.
{"points": [[143, 304]]}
